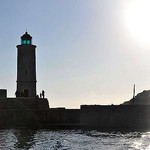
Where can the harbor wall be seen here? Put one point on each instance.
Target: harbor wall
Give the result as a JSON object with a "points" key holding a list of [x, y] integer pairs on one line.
{"points": [[37, 118], [89, 116], [24, 103], [116, 117]]}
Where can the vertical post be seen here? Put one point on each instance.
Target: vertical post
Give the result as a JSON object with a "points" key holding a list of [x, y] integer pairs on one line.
{"points": [[133, 93]]}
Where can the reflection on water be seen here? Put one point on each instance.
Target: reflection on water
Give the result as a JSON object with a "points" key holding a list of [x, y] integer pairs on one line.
{"points": [[24, 139]]}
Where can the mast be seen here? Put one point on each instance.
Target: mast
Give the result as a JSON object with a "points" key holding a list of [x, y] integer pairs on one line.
{"points": [[133, 94]]}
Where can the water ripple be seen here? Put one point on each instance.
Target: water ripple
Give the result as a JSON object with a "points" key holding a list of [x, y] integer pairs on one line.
{"points": [[27, 139]]}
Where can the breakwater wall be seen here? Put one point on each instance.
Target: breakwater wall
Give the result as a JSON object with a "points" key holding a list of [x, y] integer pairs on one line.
{"points": [[126, 117], [38, 118], [116, 117], [24, 103]]}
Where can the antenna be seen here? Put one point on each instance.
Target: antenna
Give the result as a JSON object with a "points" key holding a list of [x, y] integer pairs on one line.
{"points": [[133, 93]]}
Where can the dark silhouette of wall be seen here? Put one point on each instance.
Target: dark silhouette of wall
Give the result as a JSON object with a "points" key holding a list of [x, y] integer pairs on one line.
{"points": [[38, 118], [3, 93], [120, 117], [116, 117], [24, 103]]}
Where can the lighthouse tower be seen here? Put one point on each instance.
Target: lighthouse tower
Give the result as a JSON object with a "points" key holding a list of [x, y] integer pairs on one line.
{"points": [[26, 68]]}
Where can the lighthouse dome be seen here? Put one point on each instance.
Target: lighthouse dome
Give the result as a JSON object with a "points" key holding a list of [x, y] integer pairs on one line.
{"points": [[26, 39]]}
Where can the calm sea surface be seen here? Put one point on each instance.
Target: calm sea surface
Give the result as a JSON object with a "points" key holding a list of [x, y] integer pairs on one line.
{"points": [[72, 140]]}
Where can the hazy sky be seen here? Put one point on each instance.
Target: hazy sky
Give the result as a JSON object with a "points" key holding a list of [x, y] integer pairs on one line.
{"points": [[88, 51]]}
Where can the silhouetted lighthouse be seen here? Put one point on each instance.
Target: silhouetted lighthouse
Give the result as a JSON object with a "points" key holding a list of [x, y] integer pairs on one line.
{"points": [[26, 68]]}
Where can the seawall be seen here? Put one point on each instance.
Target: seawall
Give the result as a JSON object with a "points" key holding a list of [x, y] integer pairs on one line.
{"points": [[38, 118], [115, 117], [112, 117], [24, 103]]}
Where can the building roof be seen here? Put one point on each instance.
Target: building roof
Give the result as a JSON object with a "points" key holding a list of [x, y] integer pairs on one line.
{"points": [[26, 36]]}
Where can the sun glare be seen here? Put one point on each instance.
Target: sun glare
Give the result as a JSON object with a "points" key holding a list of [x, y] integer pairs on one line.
{"points": [[137, 19]]}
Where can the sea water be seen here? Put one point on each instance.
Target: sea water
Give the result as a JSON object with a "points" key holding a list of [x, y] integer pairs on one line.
{"points": [[24, 139]]}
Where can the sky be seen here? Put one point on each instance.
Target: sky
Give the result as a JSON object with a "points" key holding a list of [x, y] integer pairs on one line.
{"points": [[88, 51]]}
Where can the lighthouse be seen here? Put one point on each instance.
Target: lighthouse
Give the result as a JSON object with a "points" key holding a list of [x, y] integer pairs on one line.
{"points": [[26, 67]]}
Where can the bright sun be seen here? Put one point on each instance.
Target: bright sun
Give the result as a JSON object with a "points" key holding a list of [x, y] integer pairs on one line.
{"points": [[137, 18]]}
